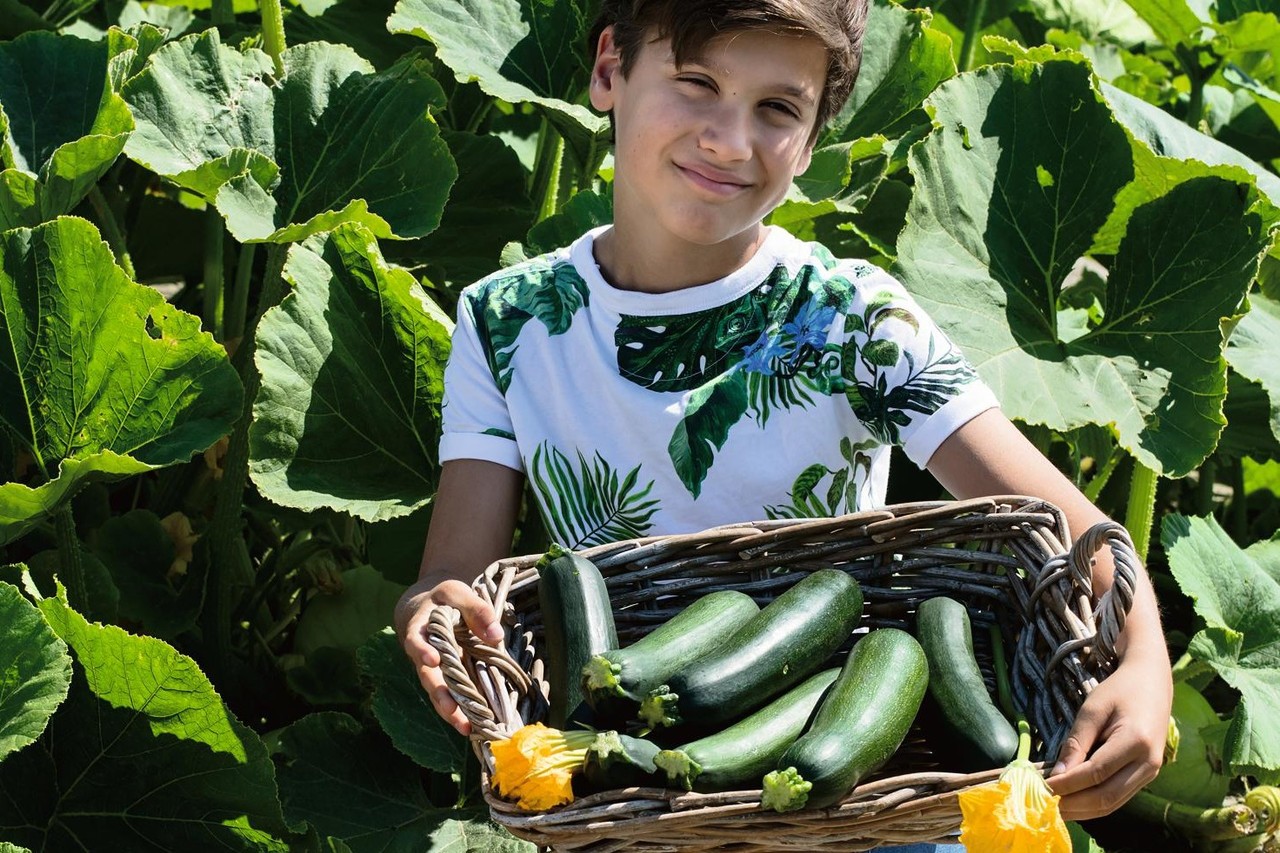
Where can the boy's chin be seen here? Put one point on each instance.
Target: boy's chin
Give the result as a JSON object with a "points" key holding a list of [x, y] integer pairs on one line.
{"points": [[711, 231]]}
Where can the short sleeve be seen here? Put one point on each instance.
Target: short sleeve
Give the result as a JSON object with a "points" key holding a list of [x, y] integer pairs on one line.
{"points": [[476, 422], [904, 378]]}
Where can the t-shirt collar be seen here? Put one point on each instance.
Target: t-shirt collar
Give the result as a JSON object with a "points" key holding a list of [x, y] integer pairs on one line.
{"points": [[686, 300]]}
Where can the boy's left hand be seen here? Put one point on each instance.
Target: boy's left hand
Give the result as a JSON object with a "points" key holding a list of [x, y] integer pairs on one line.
{"points": [[1117, 743]]}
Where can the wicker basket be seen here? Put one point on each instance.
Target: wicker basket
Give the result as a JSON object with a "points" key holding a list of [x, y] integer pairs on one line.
{"points": [[1002, 556]]}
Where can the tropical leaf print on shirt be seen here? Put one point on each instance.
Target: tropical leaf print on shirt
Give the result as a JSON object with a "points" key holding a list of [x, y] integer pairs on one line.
{"points": [[589, 505], [840, 492], [502, 306], [867, 361]]}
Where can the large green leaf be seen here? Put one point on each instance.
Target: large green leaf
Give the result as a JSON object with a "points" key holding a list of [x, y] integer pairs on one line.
{"points": [[144, 756], [908, 62], [138, 552], [1020, 172], [97, 374], [1175, 22], [1169, 137], [1251, 350], [361, 24], [403, 710], [1237, 594], [488, 206], [35, 671], [347, 618], [581, 213], [61, 123], [353, 373], [349, 783], [293, 157], [1096, 20], [521, 51], [476, 834]]}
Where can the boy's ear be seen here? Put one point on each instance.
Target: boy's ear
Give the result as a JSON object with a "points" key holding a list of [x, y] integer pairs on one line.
{"points": [[806, 157], [605, 71]]}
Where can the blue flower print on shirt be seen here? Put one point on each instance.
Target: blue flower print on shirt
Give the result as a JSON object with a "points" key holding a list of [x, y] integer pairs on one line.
{"points": [[758, 357], [811, 325]]}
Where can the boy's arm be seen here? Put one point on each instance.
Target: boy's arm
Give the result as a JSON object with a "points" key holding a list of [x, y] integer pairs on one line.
{"points": [[472, 521], [1117, 742]]}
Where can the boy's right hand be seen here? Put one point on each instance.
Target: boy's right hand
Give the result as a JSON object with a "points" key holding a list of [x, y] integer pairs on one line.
{"points": [[412, 611]]}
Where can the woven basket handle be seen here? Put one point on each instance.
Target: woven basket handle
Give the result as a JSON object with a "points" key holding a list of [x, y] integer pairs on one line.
{"points": [[1114, 605], [483, 686]]}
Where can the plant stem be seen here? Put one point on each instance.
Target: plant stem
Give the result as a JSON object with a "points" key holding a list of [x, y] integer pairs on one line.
{"points": [[223, 12], [972, 25], [478, 117], [1024, 739], [1142, 507], [69, 557], [1204, 487], [230, 565], [544, 187], [1003, 691], [1193, 822], [238, 306], [111, 230], [1191, 670], [1099, 482], [273, 32], [1239, 502], [213, 272]]}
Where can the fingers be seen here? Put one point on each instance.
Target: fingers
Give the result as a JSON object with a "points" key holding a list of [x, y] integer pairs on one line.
{"points": [[476, 612], [442, 700], [1105, 798], [1084, 734]]}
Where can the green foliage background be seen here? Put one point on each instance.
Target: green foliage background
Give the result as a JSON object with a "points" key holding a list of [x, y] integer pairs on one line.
{"points": [[231, 241]]}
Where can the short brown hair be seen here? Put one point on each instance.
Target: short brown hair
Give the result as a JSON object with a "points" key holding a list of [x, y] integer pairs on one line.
{"points": [[691, 24]]}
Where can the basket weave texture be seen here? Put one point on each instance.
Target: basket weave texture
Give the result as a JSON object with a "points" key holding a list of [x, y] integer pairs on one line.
{"points": [[1003, 557]]}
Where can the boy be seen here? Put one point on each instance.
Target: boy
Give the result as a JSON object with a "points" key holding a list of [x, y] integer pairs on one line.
{"points": [[702, 359]]}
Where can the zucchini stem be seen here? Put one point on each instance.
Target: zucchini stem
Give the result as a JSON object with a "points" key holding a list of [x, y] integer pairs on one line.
{"points": [[660, 708], [784, 790], [1193, 822]]}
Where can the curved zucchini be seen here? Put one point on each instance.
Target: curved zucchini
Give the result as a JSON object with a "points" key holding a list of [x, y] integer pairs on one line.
{"points": [[630, 673], [860, 724], [577, 624], [791, 638], [974, 727], [739, 755]]}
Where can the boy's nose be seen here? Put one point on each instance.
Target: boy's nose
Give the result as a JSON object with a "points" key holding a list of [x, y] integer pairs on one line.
{"points": [[726, 132]]}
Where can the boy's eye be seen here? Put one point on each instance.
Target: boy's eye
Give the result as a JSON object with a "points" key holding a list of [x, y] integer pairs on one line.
{"points": [[784, 108], [697, 81]]}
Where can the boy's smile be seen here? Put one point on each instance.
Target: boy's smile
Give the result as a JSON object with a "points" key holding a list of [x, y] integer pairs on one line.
{"points": [[704, 151]]}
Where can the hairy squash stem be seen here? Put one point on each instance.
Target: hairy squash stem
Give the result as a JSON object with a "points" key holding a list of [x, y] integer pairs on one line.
{"points": [[213, 271], [111, 230], [1193, 822], [544, 186], [229, 558], [1142, 507], [971, 27], [69, 557], [1204, 488], [273, 32]]}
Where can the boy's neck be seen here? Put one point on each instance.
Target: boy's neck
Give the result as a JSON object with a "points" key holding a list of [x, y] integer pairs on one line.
{"points": [[632, 257]]}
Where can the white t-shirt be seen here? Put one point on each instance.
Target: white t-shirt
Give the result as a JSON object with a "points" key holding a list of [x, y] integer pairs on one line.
{"points": [[774, 392]]}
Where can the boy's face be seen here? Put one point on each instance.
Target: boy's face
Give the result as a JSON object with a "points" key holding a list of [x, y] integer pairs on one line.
{"points": [[706, 150]]}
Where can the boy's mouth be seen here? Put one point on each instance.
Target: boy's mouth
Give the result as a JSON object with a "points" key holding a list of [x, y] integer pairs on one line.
{"points": [[712, 179]]}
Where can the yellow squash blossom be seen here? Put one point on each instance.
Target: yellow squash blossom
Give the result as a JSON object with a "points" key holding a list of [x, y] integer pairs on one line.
{"points": [[1014, 814], [535, 766]]}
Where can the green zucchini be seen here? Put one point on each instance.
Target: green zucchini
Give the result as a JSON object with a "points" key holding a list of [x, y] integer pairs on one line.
{"points": [[860, 723], [738, 755], [577, 625], [975, 732], [625, 676], [789, 639], [619, 761]]}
